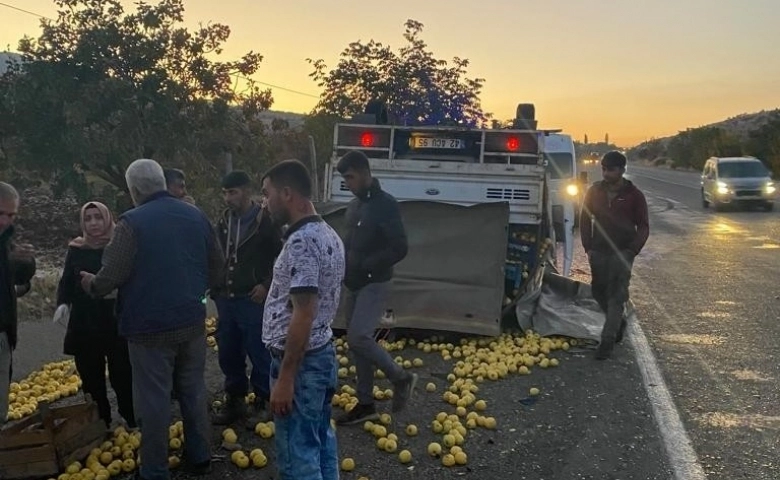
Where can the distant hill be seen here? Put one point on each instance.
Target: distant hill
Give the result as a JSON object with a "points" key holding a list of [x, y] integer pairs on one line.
{"points": [[295, 120], [756, 134], [740, 126]]}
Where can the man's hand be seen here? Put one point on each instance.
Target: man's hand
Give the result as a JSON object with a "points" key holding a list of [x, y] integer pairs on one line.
{"points": [[259, 293], [282, 397], [22, 253], [86, 280]]}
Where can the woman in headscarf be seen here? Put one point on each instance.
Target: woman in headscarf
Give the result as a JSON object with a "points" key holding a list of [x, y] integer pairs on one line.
{"points": [[92, 336]]}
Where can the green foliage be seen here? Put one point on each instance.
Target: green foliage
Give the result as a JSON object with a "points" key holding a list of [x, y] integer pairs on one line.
{"points": [[764, 143], [101, 87], [692, 147], [417, 87]]}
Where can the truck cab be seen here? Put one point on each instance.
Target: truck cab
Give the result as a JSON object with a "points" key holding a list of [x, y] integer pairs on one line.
{"points": [[561, 163]]}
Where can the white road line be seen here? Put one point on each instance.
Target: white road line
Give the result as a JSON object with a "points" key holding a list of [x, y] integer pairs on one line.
{"points": [[659, 179], [682, 457]]}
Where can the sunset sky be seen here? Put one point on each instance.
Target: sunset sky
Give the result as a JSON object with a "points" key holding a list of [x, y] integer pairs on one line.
{"points": [[634, 69]]}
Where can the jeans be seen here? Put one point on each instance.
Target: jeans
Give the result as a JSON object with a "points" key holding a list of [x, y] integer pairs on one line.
{"points": [[240, 334], [364, 309], [610, 279], [306, 447], [5, 375], [153, 379]]}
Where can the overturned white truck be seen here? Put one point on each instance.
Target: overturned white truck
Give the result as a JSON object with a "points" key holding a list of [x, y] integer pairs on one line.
{"points": [[477, 211]]}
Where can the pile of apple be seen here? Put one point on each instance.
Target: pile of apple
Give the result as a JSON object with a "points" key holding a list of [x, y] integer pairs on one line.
{"points": [[475, 360], [112, 458], [52, 382]]}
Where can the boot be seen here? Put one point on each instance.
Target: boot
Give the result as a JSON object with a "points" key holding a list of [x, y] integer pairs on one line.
{"points": [[233, 411]]}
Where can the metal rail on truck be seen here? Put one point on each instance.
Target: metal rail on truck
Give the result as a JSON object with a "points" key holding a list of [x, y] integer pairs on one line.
{"points": [[445, 144]]}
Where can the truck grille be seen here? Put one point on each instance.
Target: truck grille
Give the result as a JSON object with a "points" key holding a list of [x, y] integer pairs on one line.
{"points": [[508, 194]]}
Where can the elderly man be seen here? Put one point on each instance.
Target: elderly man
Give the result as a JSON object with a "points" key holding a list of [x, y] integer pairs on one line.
{"points": [[17, 267], [163, 258]]}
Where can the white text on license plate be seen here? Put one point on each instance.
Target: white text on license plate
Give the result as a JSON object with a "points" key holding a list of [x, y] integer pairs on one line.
{"points": [[431, 142]]}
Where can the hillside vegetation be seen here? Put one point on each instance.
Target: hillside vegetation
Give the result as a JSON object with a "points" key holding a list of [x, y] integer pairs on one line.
{"points": [[756, 134]]}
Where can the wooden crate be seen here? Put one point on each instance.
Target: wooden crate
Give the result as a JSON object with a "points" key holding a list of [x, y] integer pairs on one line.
{"points": [[45, 443]]}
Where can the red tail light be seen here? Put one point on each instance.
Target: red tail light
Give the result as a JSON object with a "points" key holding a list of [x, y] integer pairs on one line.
{"points": [[367, 139], [512, 144]]}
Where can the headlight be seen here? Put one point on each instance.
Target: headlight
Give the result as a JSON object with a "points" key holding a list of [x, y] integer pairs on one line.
{"points": [[572, 190], [770, 188], [723, 188]]}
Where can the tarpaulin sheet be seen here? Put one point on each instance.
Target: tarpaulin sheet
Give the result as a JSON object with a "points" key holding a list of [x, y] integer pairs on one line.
{"points": [[452, 278], [559, 305]]}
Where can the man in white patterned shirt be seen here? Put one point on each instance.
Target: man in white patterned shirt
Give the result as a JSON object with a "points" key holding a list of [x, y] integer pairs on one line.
{"points": [[299, 311]]}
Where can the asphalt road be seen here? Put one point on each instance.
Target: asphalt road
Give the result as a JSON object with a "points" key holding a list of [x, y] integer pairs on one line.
{"points": [[707, 292]]}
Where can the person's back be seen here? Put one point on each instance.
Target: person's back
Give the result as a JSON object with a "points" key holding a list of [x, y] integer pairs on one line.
{"points": [[170, 277], [163, 257]]}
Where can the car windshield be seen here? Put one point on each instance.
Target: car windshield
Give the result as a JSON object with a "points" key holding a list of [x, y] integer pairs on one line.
{"points": [[560, 165], [741, 170]]}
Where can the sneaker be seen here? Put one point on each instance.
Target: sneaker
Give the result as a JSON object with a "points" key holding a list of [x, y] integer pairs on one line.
{"points": [[360, 413], [402, 391]]}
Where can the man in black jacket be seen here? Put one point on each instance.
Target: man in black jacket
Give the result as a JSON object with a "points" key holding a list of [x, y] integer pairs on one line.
{"points": [[17, 267], [375, 241], [251, 242]]}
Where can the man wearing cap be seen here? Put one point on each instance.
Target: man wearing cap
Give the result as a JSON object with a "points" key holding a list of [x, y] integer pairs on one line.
{"points": [[614, 228], [251, 243]]}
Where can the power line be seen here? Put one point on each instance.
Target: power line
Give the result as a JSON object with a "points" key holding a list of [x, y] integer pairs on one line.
{"points": [[278, 87], [305, 94], [23, 11]]}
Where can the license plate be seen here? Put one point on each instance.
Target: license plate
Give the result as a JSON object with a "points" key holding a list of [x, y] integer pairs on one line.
{"points": [[435, 142]]}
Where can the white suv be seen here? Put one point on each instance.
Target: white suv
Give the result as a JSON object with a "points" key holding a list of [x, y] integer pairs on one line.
{"points": [[736, 180]]}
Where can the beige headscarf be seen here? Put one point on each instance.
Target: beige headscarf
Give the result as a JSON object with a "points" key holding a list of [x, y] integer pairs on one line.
{"points": [[101, 240]]}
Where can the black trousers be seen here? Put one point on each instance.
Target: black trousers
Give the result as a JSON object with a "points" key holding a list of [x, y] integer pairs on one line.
{"points": [[91, 365], [610, 279]]}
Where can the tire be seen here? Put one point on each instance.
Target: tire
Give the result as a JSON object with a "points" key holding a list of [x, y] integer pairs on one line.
{"points": [[769, 206], [704, 202]]}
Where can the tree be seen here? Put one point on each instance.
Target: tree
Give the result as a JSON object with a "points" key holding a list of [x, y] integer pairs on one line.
{"points": [[101, 87], [418, 88], [691, 148], [764, 143]]}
